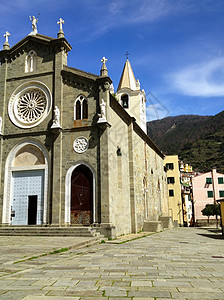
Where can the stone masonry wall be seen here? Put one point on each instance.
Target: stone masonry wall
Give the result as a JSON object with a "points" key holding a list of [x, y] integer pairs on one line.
{"points": [[149, 165], [12, 75], [120, 214]]}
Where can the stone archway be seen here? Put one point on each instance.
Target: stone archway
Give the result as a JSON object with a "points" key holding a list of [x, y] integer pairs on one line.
{"points": [[82, 196], [83, 172], [26, 184]]}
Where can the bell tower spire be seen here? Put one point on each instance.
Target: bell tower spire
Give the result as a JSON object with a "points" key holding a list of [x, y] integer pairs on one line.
{"points": [[131, 97]]}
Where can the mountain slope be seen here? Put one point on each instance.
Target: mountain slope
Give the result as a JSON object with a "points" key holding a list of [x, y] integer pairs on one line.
{"points": [[199, 140]]}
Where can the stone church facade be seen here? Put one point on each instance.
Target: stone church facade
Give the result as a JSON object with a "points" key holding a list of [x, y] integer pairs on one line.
{"points": [[73, 152]]}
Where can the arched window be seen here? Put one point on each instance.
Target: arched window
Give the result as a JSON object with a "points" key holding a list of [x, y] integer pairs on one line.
{"points": [[125, 101], [78, 110], [81, 108], [31, 62], [85, 109], [158, 186]]}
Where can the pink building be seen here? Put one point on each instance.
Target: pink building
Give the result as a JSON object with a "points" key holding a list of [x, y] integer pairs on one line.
{"points": [[207, 188]]}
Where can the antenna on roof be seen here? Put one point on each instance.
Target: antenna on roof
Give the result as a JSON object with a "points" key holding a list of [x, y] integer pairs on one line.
{"points": [[38, 14]]}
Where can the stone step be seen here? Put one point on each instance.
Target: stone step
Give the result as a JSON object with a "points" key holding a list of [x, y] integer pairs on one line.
{"points": [[49, 231], [152, 226]]}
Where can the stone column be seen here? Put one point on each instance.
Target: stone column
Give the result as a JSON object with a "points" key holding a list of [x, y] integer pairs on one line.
{"points": [[3, 108], [107, 228], [58, 201]]}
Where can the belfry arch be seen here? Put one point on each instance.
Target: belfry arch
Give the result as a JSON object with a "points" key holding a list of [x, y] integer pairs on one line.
{"points": [[26, 185]]}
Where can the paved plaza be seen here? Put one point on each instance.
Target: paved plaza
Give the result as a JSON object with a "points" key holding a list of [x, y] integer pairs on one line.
{"points": [[182, 263]]}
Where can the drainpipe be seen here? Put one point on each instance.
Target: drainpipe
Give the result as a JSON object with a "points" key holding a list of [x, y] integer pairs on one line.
{"points": [[213, 184], [214, 177]]}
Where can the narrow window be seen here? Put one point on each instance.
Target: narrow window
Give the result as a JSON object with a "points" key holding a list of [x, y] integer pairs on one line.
{"points": [[171, 193], [85, 109], [28, 61], [210, 194], [170, 180], [78, 110], [158, 188], [220, 180], [124, 101], [208, 180], [221, 193], [169, 166]]}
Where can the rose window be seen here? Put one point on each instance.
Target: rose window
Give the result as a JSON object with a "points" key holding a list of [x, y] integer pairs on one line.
{"points": [[31, 105], [80, 144]]}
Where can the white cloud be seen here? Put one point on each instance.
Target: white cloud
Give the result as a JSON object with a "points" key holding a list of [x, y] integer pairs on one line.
{"points": [[120, 13], [202, 79]]}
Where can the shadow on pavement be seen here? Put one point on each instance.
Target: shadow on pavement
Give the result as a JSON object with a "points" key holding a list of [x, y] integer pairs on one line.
{"points": [[213, 233], [212, 236]]}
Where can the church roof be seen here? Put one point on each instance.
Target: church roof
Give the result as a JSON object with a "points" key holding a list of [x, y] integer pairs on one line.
{"points": [[40, 38], [80, 72], [127, 78]]}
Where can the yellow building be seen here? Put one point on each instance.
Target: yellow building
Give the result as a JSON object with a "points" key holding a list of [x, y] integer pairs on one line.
{"points": [[174, 188]]}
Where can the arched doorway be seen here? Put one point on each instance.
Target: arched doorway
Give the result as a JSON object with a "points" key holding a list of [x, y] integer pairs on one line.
{"points": [[26, 182], [81, 209]]}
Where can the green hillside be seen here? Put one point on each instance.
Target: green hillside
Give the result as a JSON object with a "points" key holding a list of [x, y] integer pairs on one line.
{"points": [[198, 140]]}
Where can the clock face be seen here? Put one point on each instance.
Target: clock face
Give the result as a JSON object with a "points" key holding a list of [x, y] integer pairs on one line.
{"points": [[29, 104]]}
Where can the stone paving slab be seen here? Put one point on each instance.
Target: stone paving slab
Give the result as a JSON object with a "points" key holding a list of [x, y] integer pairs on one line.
{"points": [[14, 248], [49, 298], [183, 263], [129, 237]]}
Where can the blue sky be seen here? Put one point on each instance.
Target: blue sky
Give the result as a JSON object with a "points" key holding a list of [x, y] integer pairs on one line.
{"points": [[176, 46]]}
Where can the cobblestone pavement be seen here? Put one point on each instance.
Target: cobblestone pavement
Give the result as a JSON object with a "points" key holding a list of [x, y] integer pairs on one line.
{"points": [[21, 247], [183, 263]]}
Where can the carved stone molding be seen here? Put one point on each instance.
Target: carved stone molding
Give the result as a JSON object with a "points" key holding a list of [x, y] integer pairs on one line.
{"points": [[7, 201], [68, 192], [70, 80]]}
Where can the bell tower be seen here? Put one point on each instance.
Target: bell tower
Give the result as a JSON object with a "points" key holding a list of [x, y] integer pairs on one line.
{"points": [[131, 97]]}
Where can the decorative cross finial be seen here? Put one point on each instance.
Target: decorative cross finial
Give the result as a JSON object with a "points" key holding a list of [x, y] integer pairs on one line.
{"points": [[103, 71], [6, 35], [127, 54], [104, 60], [60, 22], [6, 44]]}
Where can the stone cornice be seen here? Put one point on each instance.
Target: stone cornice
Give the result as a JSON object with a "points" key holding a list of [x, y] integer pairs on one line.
{"points": [[30, 75], [47, 132]]}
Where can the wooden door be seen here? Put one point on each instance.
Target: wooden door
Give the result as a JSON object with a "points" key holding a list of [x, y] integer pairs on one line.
{"points": [[82, 196]]}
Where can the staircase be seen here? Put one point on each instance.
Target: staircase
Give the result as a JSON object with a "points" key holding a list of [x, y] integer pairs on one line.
{"points": [[84, 231]]}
